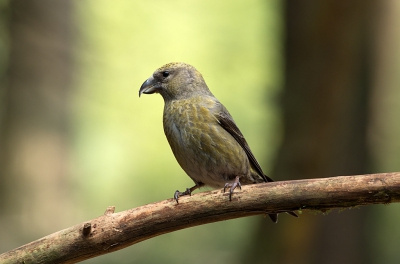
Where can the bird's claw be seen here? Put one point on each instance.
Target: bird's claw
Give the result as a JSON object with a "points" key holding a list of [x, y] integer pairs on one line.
{"points": [[233, 185], [178, 194], [188, 191]]}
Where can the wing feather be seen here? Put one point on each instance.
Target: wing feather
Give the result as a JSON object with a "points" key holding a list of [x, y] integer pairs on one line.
{"points": [[226, 121]]}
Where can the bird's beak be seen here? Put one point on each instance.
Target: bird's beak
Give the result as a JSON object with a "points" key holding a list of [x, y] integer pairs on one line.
{"points": [[149, 86]]}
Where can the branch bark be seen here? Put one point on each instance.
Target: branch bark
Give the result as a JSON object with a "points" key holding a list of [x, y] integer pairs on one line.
{"points": [[114, 231]]}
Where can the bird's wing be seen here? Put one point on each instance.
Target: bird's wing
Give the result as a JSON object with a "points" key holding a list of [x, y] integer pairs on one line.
{"points": [[226, 121]]}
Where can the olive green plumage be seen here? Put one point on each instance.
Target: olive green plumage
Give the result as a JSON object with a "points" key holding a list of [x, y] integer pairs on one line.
{"points": [[202, 134]]}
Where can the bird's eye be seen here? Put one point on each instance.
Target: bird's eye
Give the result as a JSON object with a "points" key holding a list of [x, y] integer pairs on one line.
{"points": [[165, 74]]}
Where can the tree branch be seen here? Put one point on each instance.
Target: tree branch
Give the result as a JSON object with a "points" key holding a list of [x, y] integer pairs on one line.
{"points": [[114, 231]]}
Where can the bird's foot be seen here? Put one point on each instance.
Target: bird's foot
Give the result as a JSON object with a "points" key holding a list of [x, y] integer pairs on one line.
{"points": [[178, 194], [187, 192], [233, 185]]}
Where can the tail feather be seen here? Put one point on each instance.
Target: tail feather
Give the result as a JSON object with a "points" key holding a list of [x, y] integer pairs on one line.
{"points": [[268, 178], [274, 217], [292, 213]]}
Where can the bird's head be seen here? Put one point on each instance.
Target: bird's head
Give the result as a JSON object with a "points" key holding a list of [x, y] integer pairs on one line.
{"points": [[175, 80]]}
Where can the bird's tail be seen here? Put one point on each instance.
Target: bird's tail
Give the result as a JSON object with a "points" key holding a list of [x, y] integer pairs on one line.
{"points": [[268, 178], [274, 217]]}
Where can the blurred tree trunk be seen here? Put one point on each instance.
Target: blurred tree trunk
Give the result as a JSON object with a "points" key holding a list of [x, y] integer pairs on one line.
{"points": [[384, 129], [33, 130], [328, 54]]}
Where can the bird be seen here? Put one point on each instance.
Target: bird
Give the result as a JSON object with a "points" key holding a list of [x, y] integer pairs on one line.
{"points": [[202, 134]]}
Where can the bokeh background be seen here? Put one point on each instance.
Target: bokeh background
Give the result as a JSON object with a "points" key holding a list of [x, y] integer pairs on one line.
{"points": [[313, 85]]}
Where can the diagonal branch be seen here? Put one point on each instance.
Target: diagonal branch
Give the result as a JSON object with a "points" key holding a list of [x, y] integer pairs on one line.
{"points": [[114, 231]]}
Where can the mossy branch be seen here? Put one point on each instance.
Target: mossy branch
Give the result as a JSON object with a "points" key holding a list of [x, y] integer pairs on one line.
{"points": [[114, 231]]}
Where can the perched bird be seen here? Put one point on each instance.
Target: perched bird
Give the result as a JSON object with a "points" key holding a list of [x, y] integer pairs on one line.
{"points": [[202, 134]]}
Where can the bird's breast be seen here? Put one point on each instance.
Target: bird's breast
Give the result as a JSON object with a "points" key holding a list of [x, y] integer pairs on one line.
{"points": [[204, 149]]}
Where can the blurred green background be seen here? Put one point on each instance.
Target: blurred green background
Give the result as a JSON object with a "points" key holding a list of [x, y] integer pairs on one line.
{"points": [[313, 86]]}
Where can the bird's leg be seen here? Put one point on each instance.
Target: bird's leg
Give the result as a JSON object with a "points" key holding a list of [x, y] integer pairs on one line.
{"points": [[233, 185], [188, 191]]}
